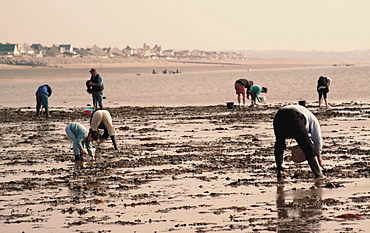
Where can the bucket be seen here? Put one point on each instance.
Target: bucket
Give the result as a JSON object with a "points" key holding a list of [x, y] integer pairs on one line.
{"points": [[298, 155], [88, 111], [230, 105], [302, 102]]}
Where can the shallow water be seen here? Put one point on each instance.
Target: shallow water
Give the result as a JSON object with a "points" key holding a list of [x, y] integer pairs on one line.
{"points": [[130, 87]]}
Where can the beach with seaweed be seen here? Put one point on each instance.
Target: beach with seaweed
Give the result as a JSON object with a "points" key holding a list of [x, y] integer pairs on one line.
{"points": [[186, 162]]}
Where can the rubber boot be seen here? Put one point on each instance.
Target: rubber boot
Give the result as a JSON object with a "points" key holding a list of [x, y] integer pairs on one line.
{"points": [[37, 112], [79, 157], [315, 167], [47, 112], [113, 138]]}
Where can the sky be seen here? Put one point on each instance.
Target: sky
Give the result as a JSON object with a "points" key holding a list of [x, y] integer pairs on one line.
{"points": [[304, 25]]}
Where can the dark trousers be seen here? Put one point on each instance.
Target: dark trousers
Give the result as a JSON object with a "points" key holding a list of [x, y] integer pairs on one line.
{"points": [[323, 93], [97, 99], [289, 123]]}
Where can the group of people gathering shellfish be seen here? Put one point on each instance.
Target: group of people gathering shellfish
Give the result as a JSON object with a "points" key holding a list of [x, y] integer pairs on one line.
{"points": [[292, 121]]}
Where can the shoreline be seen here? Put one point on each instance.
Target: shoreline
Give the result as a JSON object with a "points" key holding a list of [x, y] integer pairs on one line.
{"points": [[204, 65]]}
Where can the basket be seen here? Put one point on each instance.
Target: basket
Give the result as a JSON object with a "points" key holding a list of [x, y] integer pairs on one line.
{"points": [[230, 105], [298, 155]]}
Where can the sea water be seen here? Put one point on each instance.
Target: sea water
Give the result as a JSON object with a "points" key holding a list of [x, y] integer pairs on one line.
{"points": [[142, 88]]}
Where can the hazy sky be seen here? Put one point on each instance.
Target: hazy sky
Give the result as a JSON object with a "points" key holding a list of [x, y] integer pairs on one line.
{"points": [[339, 25]]}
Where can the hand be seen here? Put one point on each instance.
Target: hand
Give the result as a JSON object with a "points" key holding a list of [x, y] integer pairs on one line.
{"points": [[84, 151], [91, 83]]}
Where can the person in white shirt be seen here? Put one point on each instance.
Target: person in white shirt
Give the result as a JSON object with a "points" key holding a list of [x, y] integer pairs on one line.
{"points": [[296, 121], [101, 119]]}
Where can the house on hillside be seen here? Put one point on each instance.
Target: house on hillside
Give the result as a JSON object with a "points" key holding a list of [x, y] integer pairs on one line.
{"points": [[39, 50], [168, 53], [182, 53], [66, 48], [157, 50], [9, 50], [38, 47], [115, 52], [54, 51], [128, 51], [97, 51], [82, 52], [25, 49]]}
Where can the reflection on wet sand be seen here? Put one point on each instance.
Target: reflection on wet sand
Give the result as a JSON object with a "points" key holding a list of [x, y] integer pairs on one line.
{"points": [[303, 213]]}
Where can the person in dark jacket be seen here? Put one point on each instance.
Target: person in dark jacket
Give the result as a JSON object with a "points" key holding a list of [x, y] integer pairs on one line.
{"points": [[95, 87], [323, 85], [296, 121], [42, 99], [242, 88]]}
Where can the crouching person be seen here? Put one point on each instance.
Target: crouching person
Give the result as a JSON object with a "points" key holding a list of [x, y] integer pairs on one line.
{"points": [[295, 121], [82, 140], [101, 119]]}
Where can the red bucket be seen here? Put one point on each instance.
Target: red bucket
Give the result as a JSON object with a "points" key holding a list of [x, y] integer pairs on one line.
{"points": [[88, 111]]}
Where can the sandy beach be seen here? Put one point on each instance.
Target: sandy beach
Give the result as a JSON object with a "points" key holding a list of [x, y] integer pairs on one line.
{"points": [[183, 169], [194, 168]]}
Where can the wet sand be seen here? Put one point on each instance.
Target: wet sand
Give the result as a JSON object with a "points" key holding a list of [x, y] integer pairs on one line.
{"points": [[182, 169]]}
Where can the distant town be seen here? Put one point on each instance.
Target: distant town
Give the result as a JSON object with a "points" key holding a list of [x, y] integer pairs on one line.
{"points": [[39, 55], [24, 54]]}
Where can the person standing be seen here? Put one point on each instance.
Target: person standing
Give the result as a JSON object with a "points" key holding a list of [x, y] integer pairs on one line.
{"points": [[42, 99], [242, 88], [81, 139], [323, 84], [95, 87], [255, 92], [102, 119], [296, 121]]}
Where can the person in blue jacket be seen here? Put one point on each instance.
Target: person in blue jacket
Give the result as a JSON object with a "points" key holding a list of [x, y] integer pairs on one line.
{"points": [[82, 140], [42, 99], [255, 92]]}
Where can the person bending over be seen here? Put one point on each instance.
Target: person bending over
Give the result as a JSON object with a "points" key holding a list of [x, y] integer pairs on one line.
{"points": [[102, 119], [296, 121], [81, 140], [242, 88], [255, 92]]}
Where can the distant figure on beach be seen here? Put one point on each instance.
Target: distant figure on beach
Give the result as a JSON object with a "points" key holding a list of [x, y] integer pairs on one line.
{"points": [[242, 88], [42, 99], [102, 119], [296, 121], [154, 72], [255, 92], [81, 139], [323, 84], [95, 87]]}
